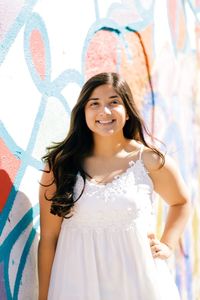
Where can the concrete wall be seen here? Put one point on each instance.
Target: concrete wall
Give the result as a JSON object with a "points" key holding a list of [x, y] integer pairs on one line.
{"points": [[47, 50]]}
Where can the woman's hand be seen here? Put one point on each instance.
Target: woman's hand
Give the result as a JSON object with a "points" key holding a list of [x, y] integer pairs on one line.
{"points": [[159, 249]]}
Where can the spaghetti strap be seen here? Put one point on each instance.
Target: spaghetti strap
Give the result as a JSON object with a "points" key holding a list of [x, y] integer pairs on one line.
{"points": [[140, 152]]}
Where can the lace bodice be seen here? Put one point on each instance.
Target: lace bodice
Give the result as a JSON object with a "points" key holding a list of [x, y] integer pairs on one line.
{"points": [[127, 199]]}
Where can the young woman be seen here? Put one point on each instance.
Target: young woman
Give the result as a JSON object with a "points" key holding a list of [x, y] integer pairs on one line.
{"points": [[96, 241]]}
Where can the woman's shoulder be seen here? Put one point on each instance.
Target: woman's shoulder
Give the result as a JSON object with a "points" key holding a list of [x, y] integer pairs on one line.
{"points": [[164, 175], [151, 159], [158, 161]]}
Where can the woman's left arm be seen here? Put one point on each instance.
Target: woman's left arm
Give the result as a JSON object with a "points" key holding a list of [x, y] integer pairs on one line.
{"points": [[169, 184]]}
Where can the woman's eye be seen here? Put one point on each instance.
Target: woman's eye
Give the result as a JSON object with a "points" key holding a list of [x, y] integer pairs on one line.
{"points": [[115, 101], [93, 104]]}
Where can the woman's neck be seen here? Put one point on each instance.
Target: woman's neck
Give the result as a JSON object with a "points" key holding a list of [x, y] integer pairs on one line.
{"points": [[106, 147]]}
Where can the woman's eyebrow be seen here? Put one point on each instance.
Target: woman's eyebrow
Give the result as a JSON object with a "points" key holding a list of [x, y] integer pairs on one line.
{"points": [[93, 99], [114, 96], [111, 97]]}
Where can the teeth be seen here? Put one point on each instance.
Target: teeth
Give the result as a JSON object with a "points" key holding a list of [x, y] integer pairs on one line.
{"points": [[105, 122]]}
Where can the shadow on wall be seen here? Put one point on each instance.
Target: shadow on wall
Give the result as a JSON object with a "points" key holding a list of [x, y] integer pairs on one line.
{"points": [[18, 244]]}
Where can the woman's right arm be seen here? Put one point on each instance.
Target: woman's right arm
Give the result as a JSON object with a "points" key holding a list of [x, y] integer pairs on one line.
{"points": [[49, 232]]}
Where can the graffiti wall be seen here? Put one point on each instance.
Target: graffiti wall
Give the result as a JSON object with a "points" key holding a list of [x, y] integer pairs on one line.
{"points": [[47, 50]]}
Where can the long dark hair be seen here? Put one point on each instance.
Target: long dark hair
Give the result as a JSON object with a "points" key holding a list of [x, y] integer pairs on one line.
{"points": [[65, 159]]}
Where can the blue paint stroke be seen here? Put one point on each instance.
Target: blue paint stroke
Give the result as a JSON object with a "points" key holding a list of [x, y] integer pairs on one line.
{"points": [[15, 28], [2, 286], [17, 151], [146, 14], [10, 240], [195, 11], [96, 7], [23, 261]]}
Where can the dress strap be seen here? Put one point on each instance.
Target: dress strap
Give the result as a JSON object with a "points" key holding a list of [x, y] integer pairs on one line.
{"points": [[140, 152]]}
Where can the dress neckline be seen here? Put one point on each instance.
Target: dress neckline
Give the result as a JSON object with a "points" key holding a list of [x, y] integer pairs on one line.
{"points": [[131, 164], [116, 179]]}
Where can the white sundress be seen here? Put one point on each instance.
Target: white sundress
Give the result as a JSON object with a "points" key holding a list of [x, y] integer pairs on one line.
{"points": [[103, 252]]}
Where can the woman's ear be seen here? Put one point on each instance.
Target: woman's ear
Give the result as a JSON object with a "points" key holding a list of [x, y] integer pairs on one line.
{"points": [[127, 117]]}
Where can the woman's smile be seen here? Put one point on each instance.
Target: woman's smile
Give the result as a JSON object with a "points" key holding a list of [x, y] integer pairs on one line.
{"points": [[108, 122]]}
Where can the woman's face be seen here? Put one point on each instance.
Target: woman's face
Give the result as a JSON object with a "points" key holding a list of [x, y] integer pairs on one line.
{"points": [[105, 112]]}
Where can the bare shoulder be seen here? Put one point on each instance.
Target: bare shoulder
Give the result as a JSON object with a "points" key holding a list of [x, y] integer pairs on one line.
{"points": [[156, 163], [152, 160], [167, 178]]}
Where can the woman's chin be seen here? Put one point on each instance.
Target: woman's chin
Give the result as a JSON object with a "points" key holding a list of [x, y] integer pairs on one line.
{"points": [[106, 133]]}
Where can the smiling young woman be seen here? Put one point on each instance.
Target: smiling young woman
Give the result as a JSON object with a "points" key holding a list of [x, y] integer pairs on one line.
{"points": [[95, 242]]}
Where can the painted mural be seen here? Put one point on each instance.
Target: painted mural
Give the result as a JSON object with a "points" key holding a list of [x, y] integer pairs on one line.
{"points": [[47, 50]]}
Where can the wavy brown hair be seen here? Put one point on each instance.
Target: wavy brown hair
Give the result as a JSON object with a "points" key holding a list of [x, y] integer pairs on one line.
{"points": [[65, 159]]}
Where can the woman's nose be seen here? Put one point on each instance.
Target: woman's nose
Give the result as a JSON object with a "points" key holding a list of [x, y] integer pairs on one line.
{"points": [[105, 110]]}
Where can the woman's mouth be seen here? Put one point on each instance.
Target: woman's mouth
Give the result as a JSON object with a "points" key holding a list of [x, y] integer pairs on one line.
{"points": [[107, 122]]}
